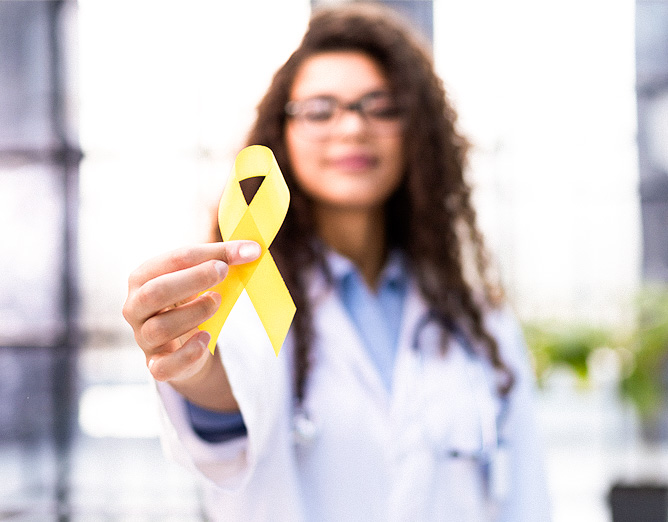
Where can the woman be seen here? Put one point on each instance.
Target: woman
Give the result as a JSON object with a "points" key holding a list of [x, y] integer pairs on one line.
{"points": [[402, 390]]}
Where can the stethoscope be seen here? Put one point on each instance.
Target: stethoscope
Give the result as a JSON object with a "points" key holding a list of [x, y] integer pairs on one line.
{"points": [[490, 453], [304, 428], [477, 379]]}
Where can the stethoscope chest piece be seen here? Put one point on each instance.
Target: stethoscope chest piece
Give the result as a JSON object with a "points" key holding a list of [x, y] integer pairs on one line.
{"points": [[305, 430]]}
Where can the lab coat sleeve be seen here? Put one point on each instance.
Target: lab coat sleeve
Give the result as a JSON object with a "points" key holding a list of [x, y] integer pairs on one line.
{"points": [[526, 495], [259, 381], [225, 464]]}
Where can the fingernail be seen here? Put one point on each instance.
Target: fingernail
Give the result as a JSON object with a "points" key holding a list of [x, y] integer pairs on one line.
{"points": [[249, 251], [151, 362], [204, 338], [221, 268]]}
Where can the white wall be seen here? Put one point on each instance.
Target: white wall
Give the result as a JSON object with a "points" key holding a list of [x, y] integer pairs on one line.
{"points": [[546, 92]]}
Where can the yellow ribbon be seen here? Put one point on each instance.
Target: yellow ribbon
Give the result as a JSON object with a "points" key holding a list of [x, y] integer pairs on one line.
{"points": [[259, 221]]}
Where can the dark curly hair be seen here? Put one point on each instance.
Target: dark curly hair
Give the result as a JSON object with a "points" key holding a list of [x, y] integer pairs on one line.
{"points": [[430, 216]]}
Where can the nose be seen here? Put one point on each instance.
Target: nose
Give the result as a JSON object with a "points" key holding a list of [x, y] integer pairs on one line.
{"points": [[350, 122]]}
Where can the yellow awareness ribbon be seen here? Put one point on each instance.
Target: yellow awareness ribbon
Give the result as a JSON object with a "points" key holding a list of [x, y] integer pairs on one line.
{"points": [[259, 221]]}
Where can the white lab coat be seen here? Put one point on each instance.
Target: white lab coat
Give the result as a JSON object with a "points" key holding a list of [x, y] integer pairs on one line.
{"points": [[374, 455]]}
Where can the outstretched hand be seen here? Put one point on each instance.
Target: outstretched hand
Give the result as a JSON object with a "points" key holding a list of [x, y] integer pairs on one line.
{"points": [[165, 304]]}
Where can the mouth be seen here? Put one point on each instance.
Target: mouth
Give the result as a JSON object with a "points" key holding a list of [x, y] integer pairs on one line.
{"points": [[355, 162]]}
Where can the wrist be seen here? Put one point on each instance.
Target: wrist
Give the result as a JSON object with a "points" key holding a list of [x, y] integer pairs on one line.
{"points": [[208, 387]]}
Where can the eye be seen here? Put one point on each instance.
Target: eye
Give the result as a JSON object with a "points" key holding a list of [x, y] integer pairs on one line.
{"points": [[380, 106], [317, 109]]}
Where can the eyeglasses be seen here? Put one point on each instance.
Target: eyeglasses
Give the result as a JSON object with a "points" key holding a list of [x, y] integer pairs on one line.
{"points": [[317, 116]]}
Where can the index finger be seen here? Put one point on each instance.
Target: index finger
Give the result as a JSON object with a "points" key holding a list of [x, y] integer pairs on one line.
{"points": [[231, 252]]}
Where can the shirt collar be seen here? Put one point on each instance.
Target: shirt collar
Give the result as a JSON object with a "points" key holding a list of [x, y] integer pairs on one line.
{"points": [[393, 273]]}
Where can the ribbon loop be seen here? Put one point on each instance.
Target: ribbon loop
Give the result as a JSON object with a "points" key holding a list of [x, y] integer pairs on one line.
{"points": [[259, 221]]}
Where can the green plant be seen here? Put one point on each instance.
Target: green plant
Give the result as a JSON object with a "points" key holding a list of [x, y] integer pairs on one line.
{"points": [[564, 345], [642, 351], [644, 378]]}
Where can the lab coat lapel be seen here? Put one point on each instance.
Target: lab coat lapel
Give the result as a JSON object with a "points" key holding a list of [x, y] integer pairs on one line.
{"points": [[339, 343], [407, 357], [339, 334]]}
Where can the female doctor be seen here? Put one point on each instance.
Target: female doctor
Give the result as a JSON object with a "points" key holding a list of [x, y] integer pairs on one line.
{"points": [[402, 390]]}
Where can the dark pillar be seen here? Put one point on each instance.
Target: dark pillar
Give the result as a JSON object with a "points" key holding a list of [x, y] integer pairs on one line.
{"points": [[39, 164], [652, 91]]}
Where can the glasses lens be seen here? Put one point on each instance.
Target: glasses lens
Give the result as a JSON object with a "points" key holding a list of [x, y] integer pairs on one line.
{"points": [[379, 107], [314, 110]]}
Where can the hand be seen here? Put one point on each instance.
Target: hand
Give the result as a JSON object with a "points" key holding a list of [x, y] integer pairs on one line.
{"points": [[164, 308]]}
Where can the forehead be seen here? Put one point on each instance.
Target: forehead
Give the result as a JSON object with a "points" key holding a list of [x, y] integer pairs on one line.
{"points": [[345, 74]]}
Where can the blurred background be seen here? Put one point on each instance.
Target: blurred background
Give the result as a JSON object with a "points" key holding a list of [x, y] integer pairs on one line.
{"points": [[119, 121]]}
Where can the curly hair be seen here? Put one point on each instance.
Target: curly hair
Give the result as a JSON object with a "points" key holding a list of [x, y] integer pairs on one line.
{"points": [[430, 217]]}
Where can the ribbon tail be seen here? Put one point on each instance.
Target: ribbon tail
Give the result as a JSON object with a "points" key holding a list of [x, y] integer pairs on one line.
{"points": [[229, 290], [271, 300]]}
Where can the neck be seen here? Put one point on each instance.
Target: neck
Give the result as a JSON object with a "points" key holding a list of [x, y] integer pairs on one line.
{"points": [[358, 235]]}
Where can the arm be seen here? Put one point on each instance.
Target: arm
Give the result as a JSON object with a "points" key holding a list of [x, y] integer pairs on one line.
{"points": [[164, 308], [177, 355]]}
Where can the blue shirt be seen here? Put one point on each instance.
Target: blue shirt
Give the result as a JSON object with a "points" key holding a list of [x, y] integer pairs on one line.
{"points": [[376, 316]]}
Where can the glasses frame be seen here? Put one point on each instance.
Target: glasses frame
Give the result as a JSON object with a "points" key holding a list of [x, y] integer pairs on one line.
{"points": [[379, 124]]}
